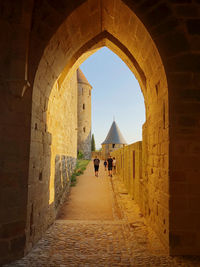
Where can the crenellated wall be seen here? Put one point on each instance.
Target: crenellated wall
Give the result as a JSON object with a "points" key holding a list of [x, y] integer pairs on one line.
{"points": [[129, 168], [155, 188], [139, 170]]}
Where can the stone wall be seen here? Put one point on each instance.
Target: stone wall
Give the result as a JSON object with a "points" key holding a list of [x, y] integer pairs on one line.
{"points": [[96, 153], [107, 149], [52, 155], [155, 149], [84, 119], [129, 168], [141, 173], [159, 41]]}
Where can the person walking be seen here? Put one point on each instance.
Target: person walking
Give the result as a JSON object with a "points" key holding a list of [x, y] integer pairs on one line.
{"points": [[114, 166], [105, 164], [96, 166], [110, 166]]}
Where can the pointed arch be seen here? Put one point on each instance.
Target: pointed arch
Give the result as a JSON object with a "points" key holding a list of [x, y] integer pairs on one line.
{"points": [[113, 24]]}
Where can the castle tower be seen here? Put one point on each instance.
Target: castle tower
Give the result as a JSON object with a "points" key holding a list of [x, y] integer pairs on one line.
{"points": [[84, 115], [114, 140]]}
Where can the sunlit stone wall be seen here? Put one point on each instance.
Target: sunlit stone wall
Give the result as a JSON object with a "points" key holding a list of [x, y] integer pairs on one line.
{"points": [[56, 35], [129, 168], [140, 169], [52, 155], [107, 149]]}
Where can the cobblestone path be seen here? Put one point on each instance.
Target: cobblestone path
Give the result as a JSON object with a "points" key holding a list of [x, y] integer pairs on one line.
{"points": [[123, 241]]}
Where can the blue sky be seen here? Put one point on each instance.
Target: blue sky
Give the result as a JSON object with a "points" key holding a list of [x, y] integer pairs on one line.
{"points": [[116, 93]]}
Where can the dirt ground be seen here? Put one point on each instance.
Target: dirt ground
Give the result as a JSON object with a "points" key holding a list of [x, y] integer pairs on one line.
{"points": [[91, 198]]}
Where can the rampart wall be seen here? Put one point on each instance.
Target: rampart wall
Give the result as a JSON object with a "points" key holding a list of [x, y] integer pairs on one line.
{"points": [[129, 168]]}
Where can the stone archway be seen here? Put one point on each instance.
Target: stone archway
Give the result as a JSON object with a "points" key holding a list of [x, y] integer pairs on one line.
{"points": [[117, 27], [28, 28]]}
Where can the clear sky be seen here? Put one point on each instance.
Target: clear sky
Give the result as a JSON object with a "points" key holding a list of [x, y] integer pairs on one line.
{"points": [[116, 93]]}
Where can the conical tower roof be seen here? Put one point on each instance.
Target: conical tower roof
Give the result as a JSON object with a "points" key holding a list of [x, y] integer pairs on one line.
{"points": [[81, 77], [114, 135]]}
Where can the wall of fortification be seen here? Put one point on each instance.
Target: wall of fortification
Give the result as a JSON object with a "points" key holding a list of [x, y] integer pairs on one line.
{"points": [[53, 153], [107, 149], [141, 172], [97, 154], [129, 168]]}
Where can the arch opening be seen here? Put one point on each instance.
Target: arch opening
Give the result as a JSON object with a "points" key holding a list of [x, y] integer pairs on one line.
{"points": [[116, 27]]}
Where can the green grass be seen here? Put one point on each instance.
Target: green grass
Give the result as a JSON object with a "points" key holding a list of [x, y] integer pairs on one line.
{"points": [[80, 167]]}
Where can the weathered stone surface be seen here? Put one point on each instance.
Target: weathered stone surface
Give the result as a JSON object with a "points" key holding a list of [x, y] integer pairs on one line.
{"points": [[12, 229], [53, 153], [56, 35]]}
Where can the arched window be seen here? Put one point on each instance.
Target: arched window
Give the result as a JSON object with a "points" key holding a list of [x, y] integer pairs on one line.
{"points": [[83, 106], [84, 129]]}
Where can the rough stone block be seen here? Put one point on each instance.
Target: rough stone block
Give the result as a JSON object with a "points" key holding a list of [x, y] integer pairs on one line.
{"points": [[187, 11], [18, 243], [4, 249], [193, 26], [12, 229]]}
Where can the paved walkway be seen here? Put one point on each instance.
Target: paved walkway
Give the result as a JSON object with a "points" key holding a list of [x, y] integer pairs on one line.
{"points": [[104, 228]]}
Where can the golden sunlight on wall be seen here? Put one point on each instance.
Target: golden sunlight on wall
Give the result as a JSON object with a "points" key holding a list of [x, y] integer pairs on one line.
{"points": [[62, 121]]}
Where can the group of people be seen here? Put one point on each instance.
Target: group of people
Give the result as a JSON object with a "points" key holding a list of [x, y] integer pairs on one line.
{"points": [[110, 163]]}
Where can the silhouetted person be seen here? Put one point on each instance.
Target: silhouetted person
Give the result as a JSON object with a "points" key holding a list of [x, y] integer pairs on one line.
{"points": [[114, 166], [96, 166], [105, 164], [110, 165]]}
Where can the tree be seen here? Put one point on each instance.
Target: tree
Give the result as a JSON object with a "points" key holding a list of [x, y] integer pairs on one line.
{"points": [[93, 147]]}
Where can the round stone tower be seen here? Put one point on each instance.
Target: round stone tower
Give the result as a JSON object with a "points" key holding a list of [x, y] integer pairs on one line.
{"points": [[84, 115]]}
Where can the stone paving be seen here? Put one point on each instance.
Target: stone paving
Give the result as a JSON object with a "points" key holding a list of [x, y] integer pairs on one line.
{"points": [[124, 241]]}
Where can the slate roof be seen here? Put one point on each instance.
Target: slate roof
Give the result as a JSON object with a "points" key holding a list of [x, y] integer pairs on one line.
{"points": [[114, 135], [81, 77]]}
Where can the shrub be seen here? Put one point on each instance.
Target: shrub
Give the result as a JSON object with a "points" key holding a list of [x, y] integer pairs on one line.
{"points": [[73, 179], [80, 154], [80, 167]]}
